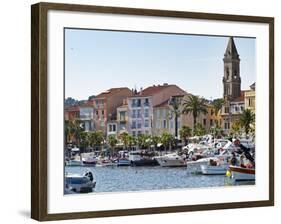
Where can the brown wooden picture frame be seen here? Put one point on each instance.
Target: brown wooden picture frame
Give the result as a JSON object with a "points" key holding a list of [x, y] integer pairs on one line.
{"points": [[39, 121]]}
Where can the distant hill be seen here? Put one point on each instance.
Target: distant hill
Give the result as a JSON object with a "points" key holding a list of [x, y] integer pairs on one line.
{"points": [[73, 102]]}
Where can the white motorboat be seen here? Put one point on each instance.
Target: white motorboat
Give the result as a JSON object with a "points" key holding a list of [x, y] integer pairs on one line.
{"points": [[142, 158], [123, 162], [242, 174], [89, 161], [80, 183], [214, 170], [74, 163], [203, 161], [171, 160]]}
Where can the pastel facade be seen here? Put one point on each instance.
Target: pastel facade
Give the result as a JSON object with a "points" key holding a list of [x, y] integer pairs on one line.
{"points": [[122, 118], [86, 116], [106, 104], [140, 115], [71, 113], [250, 98], [141, 107], [163, 120]]}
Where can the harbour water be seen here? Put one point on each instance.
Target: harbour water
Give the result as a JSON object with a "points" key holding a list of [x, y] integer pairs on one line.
{"points": [[119, 179]]}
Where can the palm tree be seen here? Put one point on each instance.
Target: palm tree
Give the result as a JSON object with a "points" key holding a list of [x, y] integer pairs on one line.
{"points": [[199, 130], [96, 138], [84, 140], [218, 103], [194, 105], [77, 130], [67, 131], [217, 130], [131, 141], [112, 142], [235, 127], [125, 139], [185, 132], [175, 105], [247, 119], [167, 140], [72, 130], [155, 140]]}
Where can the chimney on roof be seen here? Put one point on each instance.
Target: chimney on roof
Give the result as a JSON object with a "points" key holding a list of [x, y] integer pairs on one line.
{"points": [[141, 90], [165, 84]]}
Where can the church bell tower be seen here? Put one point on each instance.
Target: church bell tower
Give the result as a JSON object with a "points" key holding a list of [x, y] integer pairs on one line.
{"points": [[231, 78]]}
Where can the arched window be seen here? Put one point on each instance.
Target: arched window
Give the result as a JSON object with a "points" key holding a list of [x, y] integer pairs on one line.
{"points": [[227, 73]]}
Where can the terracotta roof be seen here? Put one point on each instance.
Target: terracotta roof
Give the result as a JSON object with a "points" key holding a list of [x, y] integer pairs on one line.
{"points": [[151, 90], [123, 106], [88, 103], [240, 98], [163, 104], [71, 108], [111, 92]]}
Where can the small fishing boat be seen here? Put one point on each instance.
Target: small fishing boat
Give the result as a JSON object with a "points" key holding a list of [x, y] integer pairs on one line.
{"points": [[90, 161], [242, 174], [214, 170], [74, 162], [199, 162], [142, 158], [80, 183], [123, 162], [171, 160]]}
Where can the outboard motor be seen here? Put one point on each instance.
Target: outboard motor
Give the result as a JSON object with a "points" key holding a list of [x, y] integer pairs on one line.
{"points": [[90, 175]]}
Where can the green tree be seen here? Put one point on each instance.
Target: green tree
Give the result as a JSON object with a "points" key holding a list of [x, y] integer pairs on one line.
{"points": [[84, 140], [175, 108], [96, 138], [235, 127], [247, 120], [167, 140], [67, 132], [131, 141], [217, 130], [194, 105], [125, 139], [155, 140], [185, 132], [143, 141], [199, 130], [112, 141], [218, 104], [73, 129]]}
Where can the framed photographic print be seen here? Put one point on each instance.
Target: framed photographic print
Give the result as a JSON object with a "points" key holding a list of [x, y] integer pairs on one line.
{"points": [[141, 111]]}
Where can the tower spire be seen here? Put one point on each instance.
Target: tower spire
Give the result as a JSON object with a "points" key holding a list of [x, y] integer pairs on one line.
{"points": [[231, 78], [231, 51]]}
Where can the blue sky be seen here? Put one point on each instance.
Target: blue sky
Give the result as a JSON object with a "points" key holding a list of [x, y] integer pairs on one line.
{"points": [[97, 60]]}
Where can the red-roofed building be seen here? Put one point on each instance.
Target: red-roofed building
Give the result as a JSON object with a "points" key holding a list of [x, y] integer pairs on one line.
{"points": [[71, 113], [141, 105], [105, 106]]}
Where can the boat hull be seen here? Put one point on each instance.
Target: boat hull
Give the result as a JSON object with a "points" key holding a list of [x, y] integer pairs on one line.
{"points": [[145, 162], [242, 174], [165, 162], [74, 163], [213, 170], [123, 162]]}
